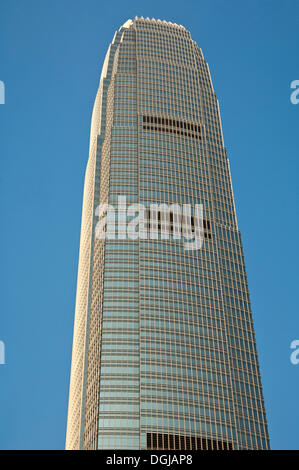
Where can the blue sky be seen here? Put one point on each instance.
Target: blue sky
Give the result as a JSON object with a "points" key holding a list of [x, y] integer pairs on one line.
{"points": [[51, 54]]}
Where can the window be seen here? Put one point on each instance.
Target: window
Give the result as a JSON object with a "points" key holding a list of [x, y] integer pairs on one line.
{"points": [[168, 124], [181, 442]]}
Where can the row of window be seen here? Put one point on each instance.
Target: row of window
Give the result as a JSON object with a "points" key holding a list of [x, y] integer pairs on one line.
{"points": [[180, 442], [171, 123], [155, 219], [172, 131]]}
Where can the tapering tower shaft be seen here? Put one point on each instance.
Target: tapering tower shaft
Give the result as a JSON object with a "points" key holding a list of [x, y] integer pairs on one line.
{"points": [[164, 352]]}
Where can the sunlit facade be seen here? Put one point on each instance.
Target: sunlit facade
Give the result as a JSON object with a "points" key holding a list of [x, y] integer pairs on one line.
{"points": [[164, 353]]}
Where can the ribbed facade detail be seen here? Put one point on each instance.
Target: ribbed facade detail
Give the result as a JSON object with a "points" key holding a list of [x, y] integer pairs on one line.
{"points": [[164, 352]]}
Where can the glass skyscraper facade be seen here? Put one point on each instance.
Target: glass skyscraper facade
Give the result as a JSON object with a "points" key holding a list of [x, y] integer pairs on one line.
{"points": [[164, 353]]}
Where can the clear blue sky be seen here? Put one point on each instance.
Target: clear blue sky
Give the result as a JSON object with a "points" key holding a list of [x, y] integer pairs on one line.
{"points": [[51, 54]]}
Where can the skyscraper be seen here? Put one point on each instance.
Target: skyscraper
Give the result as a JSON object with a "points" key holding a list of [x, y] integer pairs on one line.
{"points": [[164, 353]]}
